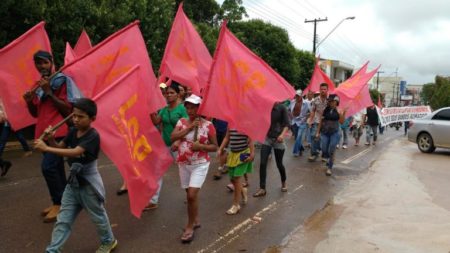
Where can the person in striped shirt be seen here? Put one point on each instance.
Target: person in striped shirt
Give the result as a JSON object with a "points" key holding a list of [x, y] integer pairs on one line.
{"points": [[239, 162]]}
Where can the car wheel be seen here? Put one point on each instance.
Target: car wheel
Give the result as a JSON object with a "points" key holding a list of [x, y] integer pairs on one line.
{"points": [[425, 143]]}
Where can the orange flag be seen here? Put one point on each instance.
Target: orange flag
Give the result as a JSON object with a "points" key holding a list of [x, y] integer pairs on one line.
{"points": [[83, 44], [318, 77], [354, 93], [106, 62], [186, 59], [130, 139], [242, 88], [18, 73]]}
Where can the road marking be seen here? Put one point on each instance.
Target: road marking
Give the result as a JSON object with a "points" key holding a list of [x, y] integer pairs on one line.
{"points": [[244, 226], [365, 151], [352, 158]]}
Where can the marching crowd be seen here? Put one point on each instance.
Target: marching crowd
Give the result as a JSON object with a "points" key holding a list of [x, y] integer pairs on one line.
{"points": [[315, 120]]}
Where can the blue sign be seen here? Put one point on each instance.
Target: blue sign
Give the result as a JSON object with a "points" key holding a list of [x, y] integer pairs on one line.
{"points": [[402, 87]]}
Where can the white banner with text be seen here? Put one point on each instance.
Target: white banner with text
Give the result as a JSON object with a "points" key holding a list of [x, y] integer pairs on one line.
{"points": [[390, 115]]}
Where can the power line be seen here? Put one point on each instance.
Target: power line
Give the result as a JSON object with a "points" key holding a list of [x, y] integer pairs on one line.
{"points": [[277, 15], [288, 27]]}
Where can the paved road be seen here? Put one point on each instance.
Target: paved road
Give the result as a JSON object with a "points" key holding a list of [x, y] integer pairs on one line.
{"points": [[23, 194]]}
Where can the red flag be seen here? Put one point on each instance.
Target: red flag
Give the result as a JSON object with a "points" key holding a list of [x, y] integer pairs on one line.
{"points": [[242, 88], [354, 93], [380, 105], [18, 73], [129, 138], [318, 77], [186, 59], [106, 62], [83, 44], [69, 55]]}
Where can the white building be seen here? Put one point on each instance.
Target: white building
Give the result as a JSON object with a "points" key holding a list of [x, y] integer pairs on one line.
{"points": [[389, 87], [338, 71]]}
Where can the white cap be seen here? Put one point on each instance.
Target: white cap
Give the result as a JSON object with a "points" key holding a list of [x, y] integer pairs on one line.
{"points": [[194, 99], [298, 92]]}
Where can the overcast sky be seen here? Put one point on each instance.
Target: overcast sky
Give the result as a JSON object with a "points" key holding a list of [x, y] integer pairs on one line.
{"points": [[412, 36]]}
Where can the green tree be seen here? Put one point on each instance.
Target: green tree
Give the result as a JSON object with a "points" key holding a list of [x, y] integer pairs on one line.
{"points": [[201, 11], [306, 61], [232, 10], [272, 44], [66, 19], [441, 96], [374, 95], [427, 93]]}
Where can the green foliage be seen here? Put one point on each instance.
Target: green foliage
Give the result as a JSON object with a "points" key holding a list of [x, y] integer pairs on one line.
{"points": [[232, 10], [441, 96], [306, 61], [374, 95], [427, 93], [437, 95], [100, 18], [201, 11], [272, 44]]}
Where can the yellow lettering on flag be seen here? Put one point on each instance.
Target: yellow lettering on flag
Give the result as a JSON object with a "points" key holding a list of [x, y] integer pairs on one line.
{"points": [[138, 146]]}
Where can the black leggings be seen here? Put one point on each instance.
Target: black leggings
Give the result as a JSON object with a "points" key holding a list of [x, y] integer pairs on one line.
{"points": [[265, 152]]}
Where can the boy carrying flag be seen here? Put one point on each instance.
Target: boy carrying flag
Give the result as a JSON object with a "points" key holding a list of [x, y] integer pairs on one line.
{"points": [[85, 188]]}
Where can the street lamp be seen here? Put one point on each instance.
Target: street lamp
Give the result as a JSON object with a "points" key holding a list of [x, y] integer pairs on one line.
{"points": [[347, 18]]}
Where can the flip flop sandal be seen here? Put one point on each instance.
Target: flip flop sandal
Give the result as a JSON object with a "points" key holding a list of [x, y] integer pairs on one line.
{"points": [[187, 237]]}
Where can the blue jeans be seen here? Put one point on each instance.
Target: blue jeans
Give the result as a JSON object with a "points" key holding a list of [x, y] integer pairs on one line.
{"points": [[329, 143], [55, 176], [298, 146], [19, 135], [344, 135], [74, 200], [315, 143]]}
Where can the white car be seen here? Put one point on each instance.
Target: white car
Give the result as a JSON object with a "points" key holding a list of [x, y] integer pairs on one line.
{"points": [[431, 131]]}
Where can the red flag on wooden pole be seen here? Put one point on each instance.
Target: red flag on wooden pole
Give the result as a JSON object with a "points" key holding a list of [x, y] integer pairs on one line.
{"points": [[186, 58], [130, 139], [18, 73], [242, 88]]}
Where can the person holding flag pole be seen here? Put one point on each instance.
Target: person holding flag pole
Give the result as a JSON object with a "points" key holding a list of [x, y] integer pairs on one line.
{"points": [[50, 101], [197, 137]]}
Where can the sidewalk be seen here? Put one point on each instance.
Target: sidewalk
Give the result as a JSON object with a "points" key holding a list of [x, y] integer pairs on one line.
{"points": [[400, 205]]}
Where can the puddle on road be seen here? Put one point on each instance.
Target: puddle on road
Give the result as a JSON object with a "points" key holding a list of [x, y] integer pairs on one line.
{"points": [[315, 229], [387, 210]]}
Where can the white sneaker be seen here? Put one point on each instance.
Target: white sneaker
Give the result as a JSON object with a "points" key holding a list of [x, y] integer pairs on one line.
{"points": [[328, 173], [344, 146]]}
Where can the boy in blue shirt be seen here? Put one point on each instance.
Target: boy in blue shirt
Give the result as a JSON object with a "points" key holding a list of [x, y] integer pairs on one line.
{"points": [[85, 188]]}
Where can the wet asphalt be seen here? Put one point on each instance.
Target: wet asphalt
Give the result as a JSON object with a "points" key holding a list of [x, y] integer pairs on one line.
{"points": [[262, 224]]}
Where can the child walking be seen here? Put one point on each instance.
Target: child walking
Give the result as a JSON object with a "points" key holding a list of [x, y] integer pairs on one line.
{"points": [[85, 188], [239, 162]]}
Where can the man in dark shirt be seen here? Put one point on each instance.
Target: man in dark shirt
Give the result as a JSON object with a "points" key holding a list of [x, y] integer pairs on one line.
{"points": [[370, 119]]}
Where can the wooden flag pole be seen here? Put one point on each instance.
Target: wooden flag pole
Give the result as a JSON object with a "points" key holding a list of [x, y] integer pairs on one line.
{"points": [[54, 128]]}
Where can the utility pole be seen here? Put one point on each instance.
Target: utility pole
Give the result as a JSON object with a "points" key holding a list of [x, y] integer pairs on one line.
{"points": [[378, 77], [315, 31]]}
